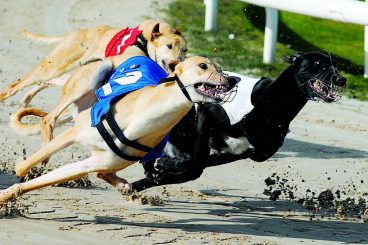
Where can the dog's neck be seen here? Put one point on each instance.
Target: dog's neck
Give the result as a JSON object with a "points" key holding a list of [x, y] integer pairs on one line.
{"points": [[159, 110], [281, 98]]}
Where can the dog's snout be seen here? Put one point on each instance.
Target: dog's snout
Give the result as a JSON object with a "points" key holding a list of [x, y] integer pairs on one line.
{"points": [[233, 81], [180, 58], [341, 81], [223, 79]]}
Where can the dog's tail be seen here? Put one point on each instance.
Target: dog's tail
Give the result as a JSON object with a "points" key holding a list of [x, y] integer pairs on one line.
{"points": [[42, 38], [26, 129]]}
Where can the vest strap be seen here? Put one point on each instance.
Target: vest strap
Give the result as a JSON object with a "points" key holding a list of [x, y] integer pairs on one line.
{"points": [[181, 85], [110, 142], [141, 43], [120, 135]]}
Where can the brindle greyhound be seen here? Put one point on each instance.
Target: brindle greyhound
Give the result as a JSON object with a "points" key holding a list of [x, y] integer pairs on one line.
{"points": [[258, 135]]}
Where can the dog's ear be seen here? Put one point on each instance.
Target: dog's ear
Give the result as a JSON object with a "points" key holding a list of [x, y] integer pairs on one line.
{"points": [[156, 32], [294, 58], [177, 31], [172, 65]]}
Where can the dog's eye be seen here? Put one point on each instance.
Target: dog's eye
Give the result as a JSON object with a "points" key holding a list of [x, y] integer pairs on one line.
{"points": [[203, 66], [317, 63], [169, 46], [185, 50]]}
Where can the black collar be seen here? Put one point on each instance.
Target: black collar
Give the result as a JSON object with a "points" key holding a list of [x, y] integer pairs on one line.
{"points": [[181, 85], [141, 43]]}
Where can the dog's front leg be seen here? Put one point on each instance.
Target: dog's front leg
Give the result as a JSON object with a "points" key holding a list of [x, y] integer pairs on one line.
{"points": [[193, 167], [63, 174], [114, 180], [149, 168], [215, 160], [60, 142]]}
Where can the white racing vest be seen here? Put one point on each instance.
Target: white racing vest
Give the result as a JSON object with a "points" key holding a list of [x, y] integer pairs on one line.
{"points": [[241, 104]]}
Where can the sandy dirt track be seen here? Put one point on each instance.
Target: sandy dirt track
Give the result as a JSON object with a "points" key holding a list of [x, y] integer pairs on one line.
{"points": [[326, 149]]}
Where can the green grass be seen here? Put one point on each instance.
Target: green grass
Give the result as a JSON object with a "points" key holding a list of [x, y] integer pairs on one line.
{"points": [[296, 33]]}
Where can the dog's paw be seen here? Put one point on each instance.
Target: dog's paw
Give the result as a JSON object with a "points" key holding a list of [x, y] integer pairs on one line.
{"points": [[10, 194], [124, 188], [150, 175]]}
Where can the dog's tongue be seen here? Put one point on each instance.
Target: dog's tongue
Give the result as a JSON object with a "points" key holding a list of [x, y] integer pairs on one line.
{"points": [[201, 88]]}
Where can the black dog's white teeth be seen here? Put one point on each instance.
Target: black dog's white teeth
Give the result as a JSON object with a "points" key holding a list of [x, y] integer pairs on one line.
{"points": [[329, 92]]}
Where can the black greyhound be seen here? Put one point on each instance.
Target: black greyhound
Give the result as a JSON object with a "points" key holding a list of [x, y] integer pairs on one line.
{"points": [[259, 134]]}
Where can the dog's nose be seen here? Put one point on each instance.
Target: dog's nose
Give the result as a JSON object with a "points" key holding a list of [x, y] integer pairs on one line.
{"points": [[341, 81], [233, 81]]}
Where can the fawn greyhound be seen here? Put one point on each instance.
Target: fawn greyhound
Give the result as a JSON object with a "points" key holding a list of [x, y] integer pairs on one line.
{"points": [[90, 47], [144, 116]]}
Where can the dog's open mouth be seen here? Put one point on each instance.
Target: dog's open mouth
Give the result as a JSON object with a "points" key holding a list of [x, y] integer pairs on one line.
{"points": [[326, 91], [217, 92]]}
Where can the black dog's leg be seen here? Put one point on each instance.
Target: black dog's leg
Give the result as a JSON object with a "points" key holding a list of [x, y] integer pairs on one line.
{"points": [[193, 168], [194, 171], [215, 160], [167, 178], [144, 183], [153, 173], [149, 168]]}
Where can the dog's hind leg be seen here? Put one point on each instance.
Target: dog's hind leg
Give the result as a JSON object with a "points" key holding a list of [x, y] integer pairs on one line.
{"points": [[62, 174], [59, 81], [114, 180], [29, 95], [82, 82], [65, 57], [60, 142]]}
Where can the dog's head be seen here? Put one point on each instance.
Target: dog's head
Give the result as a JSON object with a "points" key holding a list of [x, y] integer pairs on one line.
{"points": [[317, 75], [164, 45], [203, 79]]}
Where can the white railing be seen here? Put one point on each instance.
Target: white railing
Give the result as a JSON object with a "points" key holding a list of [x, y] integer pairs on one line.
{"points": [[348, 11]]}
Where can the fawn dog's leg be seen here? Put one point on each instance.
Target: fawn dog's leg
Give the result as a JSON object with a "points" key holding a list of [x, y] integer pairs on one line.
{"points": [[62, 174], [59, 81], [63, 58], [83, 80], [69, 54], [114, 180], [60, 142]]}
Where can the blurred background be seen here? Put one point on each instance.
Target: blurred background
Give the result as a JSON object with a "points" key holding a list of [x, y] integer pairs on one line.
{"points": [[237, 44]]}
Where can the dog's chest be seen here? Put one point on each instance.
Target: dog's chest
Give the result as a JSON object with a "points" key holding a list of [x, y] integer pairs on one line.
{"points": [[240, 104]]}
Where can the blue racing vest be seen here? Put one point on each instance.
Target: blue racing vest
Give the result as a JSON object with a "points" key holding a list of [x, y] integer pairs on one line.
{"points": [[135, 73]]}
